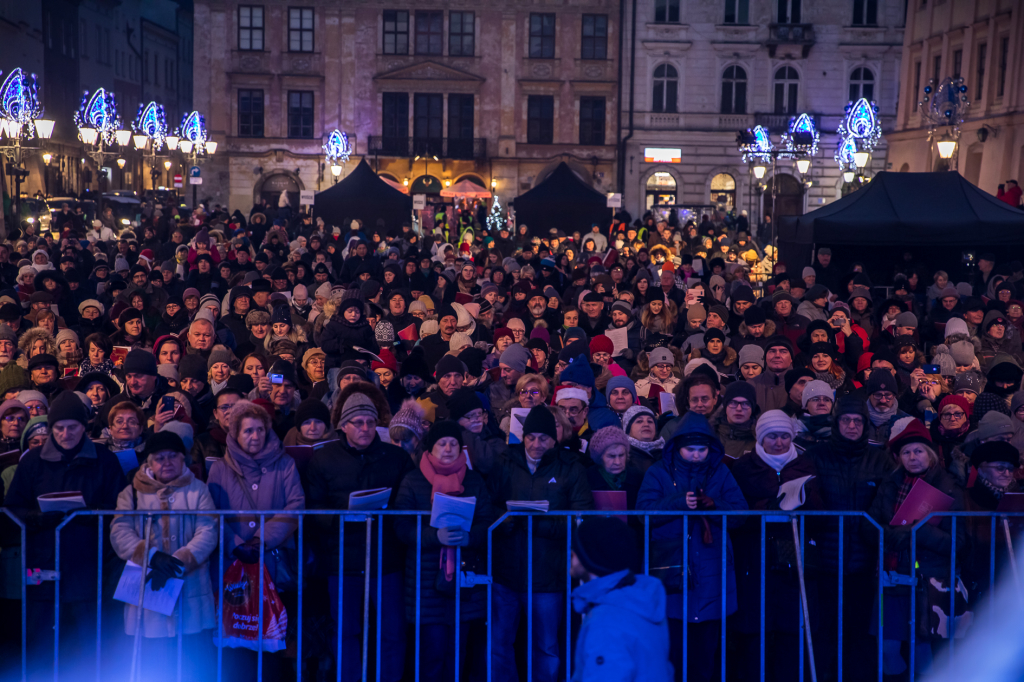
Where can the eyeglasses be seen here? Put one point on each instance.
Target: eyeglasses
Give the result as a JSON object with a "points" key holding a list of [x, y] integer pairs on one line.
{"points": [[851, 421], [1002, 467], [572, 411], [952, 416], [12, 418], [530, 392], [739, 404], [167, 459]]}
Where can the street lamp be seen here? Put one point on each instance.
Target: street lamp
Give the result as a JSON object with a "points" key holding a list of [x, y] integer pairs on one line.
{"points": [[760, 170], [860, 159], [848, 176], [193, 141], [337, 150], [803, 165], [167, 165], [123, 137], [99, 125], [21, 118], [946, 145], [150, 126]]}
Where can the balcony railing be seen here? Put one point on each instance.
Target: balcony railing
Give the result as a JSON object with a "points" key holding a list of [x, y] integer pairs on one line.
{"points": [[441, 147], [790, 34], [779, 123]]}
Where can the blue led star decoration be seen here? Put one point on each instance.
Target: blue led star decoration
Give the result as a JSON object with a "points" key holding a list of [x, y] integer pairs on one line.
{"points": [[151, 121], [193, 129], [802, 137], [99, 111], [337, 149], [760, 149], [19, 99]]}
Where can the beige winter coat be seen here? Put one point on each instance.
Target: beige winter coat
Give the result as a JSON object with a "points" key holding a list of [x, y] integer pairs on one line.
{"points": [[189, 538]]}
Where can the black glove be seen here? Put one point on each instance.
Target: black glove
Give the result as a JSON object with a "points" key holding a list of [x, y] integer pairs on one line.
{"points": [[247, 554], [163, 567]]}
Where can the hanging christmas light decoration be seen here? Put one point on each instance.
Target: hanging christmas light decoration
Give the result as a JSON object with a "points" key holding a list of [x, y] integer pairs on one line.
{"points": [[859, 131], [337, 149], [98, 112], [19, 106], [945, 103], [151, 121], [802, 137], [192, 135], [756, 145]]}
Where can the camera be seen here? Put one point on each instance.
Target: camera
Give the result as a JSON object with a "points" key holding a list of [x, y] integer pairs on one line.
{"points": [[931, 369], [277, 378]]}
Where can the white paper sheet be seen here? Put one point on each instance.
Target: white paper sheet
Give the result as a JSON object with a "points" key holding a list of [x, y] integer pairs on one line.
{"points": [[793, 494], [515, 424], [527, 505], [161, 601], [64, 502], [620, 342], [667, 402], [368, 500], [448, 511]]}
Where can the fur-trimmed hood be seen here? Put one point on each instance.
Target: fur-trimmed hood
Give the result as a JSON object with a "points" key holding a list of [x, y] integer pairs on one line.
{"points": [[729, 359], [769, 330]]}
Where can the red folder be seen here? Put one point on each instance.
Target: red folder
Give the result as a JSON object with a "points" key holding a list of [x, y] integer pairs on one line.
{"points": [[610, 500], [1011, 502], [409, 333], [463, 299], [922, 500]]}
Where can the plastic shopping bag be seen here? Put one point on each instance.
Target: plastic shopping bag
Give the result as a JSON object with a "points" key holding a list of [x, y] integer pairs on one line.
{"points": [[241, 594]]}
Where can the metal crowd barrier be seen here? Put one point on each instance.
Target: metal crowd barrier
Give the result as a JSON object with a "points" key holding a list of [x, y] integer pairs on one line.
{"points": [[470, 580]]}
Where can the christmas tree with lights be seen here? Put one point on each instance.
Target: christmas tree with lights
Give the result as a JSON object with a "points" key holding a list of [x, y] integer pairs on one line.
{"points": [[494, 219]]}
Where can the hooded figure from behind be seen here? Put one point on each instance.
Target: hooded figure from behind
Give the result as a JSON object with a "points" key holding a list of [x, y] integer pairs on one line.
{"points": [[624, 635]]}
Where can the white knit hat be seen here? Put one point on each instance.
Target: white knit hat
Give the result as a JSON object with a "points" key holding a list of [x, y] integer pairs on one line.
{"points": [[815, 389], [773, 421]]}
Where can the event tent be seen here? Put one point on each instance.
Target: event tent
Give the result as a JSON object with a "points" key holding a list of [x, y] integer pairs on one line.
{"points": [[939, 217], [563, 201], [366, 196]]}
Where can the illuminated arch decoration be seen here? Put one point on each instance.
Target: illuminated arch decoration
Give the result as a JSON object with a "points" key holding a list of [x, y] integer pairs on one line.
{"points": [[337, 149], [99, 111], [193, 129], [760, 148], [151, 121], [802, 137], [845, 151], [19, 99]]}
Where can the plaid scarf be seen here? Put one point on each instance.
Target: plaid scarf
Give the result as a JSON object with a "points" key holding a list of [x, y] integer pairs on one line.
{"points": [[901, 494]]}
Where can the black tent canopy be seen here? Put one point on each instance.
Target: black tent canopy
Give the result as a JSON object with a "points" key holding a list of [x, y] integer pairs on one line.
{"points": [[900, 209], [365, 196], [562, 201]]}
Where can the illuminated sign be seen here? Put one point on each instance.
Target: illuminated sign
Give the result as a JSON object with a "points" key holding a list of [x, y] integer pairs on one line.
{"points": [[662, 155]]}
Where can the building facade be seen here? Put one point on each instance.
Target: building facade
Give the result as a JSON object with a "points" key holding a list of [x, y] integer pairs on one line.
{"points": [[431, 93], [702, 71], [979, 41]]}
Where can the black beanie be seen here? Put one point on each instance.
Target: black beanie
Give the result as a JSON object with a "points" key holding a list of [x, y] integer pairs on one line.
{"points": [[474, 359], [754, 315], [192, 367], [448, 364], [995, 451], [793, 376], [286, 370], [311, 408], [540, 420], [165, 440], [140, 361], [444, 428], [851, 403], [415, 365], [462, 402], [605, 545], [67, 405], [240, 382]]}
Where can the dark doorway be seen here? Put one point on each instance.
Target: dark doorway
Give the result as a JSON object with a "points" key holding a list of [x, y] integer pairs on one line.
{"points": [[789, 197]]}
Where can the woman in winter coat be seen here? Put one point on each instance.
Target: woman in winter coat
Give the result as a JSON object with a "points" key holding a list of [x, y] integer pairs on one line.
{"points": [[346, 329], [691, 476], [614, 468], [917, 461], [645, 446], [717, 353], [183, 547], [442, 468], [759, 474], [662, 373], [735, 419]]}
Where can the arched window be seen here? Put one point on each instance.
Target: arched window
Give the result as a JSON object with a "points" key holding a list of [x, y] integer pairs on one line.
{"points": [[723, 191], [786, 84], [666, 85], [862, 84], [661, 190], [734, 91]]}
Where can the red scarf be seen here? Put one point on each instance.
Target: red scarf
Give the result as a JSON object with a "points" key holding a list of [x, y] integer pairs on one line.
{"points": [[448, 480]]}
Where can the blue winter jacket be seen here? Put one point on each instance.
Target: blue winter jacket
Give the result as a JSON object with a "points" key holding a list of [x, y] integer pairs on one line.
{"points": [[624, 635], [664, 489]]}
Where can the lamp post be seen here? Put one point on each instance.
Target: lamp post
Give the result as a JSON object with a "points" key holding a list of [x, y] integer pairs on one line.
{"points": [[150, 126], [21, 121], [192, 140], [859, 133], [944, 105]]}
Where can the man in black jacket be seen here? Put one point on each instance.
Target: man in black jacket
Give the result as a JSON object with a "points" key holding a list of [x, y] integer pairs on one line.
{"points": [[849, 471], [359, 460], [535, 470]]}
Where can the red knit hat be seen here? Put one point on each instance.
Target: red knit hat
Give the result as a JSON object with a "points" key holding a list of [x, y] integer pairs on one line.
{"points": [[908, 430], [958, 400], [503, 331], [601, 344], [390, 362]]}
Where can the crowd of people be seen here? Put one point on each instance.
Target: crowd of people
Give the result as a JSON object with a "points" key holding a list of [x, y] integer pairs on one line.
{"points": [[168, 364]]}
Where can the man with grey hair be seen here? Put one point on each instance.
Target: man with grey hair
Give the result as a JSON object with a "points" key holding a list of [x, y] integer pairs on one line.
{"points": [[360, 460]]}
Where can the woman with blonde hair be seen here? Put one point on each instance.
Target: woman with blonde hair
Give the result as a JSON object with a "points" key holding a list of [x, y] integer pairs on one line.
{"points": [[36, 341], [531, 390], [659, 316]]}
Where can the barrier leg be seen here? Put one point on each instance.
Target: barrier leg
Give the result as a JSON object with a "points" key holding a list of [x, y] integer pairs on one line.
{"points": [[803, 598], [366, 599], [137, 644], [1013, 559]]}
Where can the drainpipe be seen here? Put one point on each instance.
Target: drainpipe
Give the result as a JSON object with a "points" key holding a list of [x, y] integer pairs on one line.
{"points": [[632, 90]]}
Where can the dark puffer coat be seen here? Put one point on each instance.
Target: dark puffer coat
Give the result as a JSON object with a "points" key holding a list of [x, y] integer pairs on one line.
{"points": [[437, 607], [562, 481]]}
